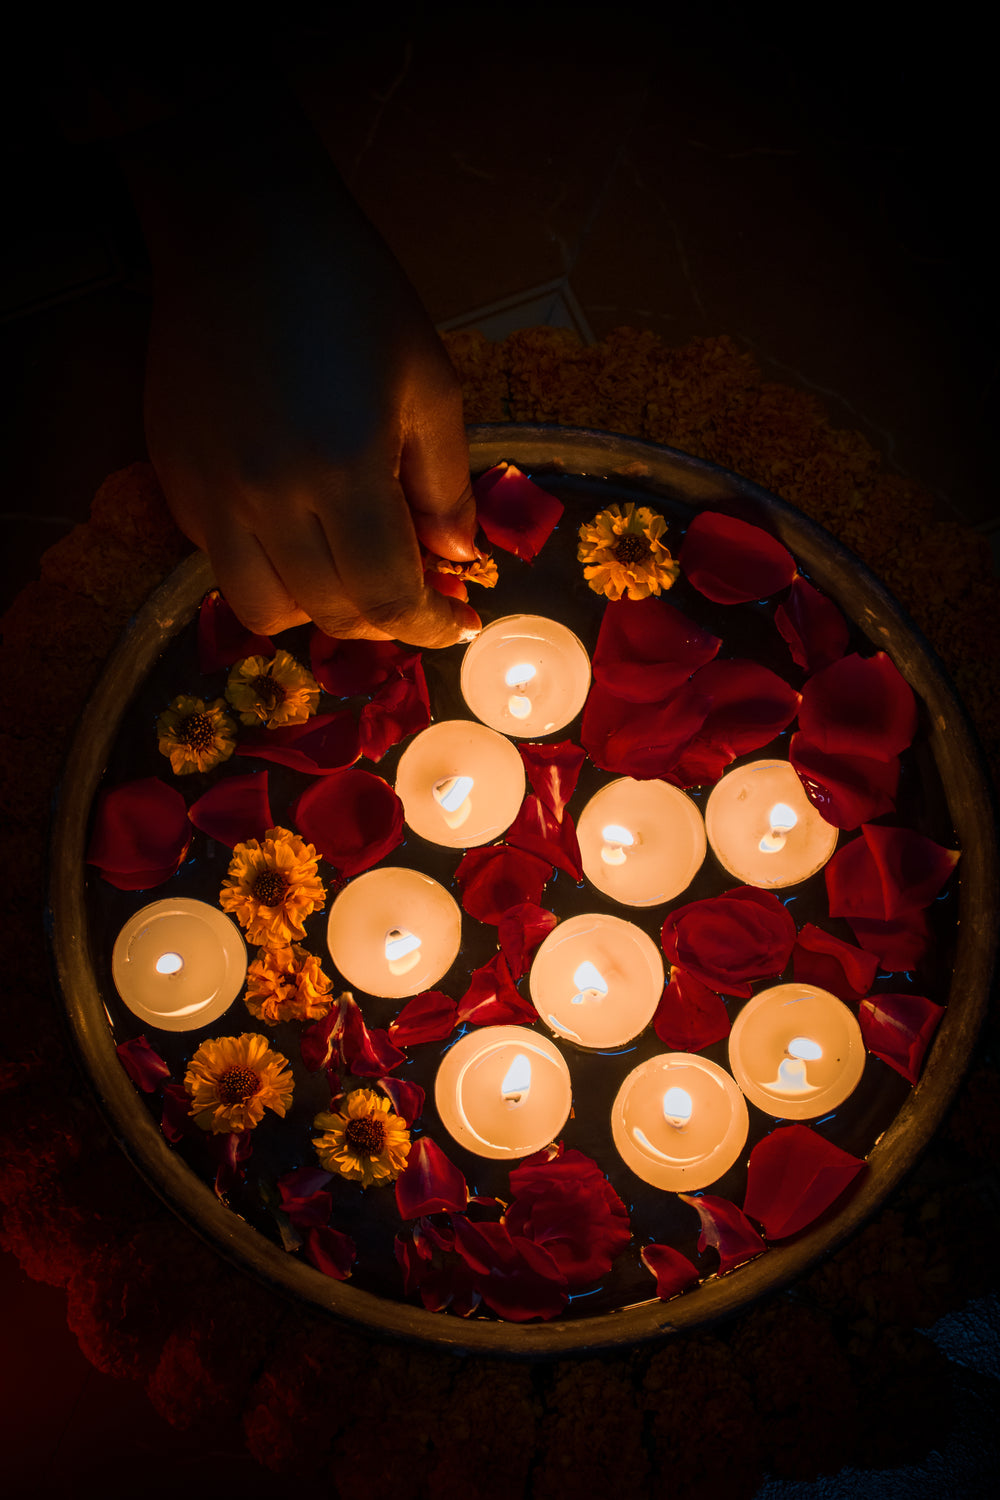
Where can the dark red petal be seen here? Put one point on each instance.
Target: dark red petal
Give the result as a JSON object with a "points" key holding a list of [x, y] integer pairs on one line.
{"points": [[690, 1016], [492, 1000], [518, 1280], [729, 941], [794, 1176], [899, 944], [646, 649], [886, 873], [429, 1017], [673, 1271], [732, 562], [176, 1121], [726, 1229], [859, 706], [142, 1063], [537, 830], [898, 1029], [519, 932], [449, 584], [514, 513], [847, 790], [222, 639], [141, 834], [410, 1262], [322, 745], [407, 1099], [567, 1204], [645, 741], [400, 708], [234, 810], [344, 668], [553, 771], [353, 818], [331, 1252], [494, 879], [365, 1053], [321, 1040], [229, 1152], [303, 1197], [829, 963], [812, 627], [429, 1183], [749, 704]]}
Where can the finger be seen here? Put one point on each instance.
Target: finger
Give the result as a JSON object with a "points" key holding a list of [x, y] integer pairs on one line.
{"points": [[251, 585], [301, 558], [434, 473]]}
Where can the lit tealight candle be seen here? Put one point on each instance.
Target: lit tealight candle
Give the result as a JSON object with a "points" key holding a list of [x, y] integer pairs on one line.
{"points": [[394, 932], [679, 1121], [796, 1051], [641, 842], [525, 675], [503, 1091], [460, 783], [179, 964], [762, 827], [596, 980]]}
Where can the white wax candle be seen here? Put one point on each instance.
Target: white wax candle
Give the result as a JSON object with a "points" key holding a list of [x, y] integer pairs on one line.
{"points": [[460, 783], [179, 964], [762, 827], [679, 1121], [394, 932], [796, 1051], [596, 980], [503, 1091], [525, 675], [641, 842]]}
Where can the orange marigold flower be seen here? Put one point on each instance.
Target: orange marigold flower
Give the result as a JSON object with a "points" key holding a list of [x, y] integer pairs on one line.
{"points": [[279, 691], [195, 735], [622, 553], [481, 570], [365, 1141], [287, 984], [232, 1080], [272, 886]]}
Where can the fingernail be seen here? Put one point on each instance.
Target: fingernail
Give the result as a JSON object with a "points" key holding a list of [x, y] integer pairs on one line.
{"points": [[469, 622]]}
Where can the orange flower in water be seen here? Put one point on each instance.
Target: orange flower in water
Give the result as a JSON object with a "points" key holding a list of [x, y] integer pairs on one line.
{"points": [[272, 886], [622, 553], [231, 1081], [287, 984], [274, 692], [365, 1141], [195, 735]]}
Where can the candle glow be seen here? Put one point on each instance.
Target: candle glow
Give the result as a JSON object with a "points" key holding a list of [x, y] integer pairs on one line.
{"points": [[596, 980], [460, 783], [503, 1091], [179, 964], [518, 652], [679, 1121], [763, 829], [371, 946], [641, 842], [796, 1051]]}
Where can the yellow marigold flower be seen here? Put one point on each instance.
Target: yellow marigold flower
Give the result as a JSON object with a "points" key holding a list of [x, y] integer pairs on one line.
{"points": [[274, 692], [622, 553], [195, 735], [233, 1080], [365, 1141], [481, 570], [271, 887], [287, 984]]}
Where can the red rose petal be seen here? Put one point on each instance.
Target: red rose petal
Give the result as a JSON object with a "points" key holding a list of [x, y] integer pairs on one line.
{"points": [[353, 817], [142, 1063], [494, 879], [234, 810], [732, 562], [514, 512], [899, 944], [898, 1029], [566, 1204], [847, 790], [345, 668], [492, 1000], [365, 1052], [430, 1017], [750, 704], [886, 873], [726, 1229], [229, 1151], [400, 708], [303, 1197], [223, 639], [429, 1183], [553, 771], [673, 1271], [406, 1098], [536, 829], [730, 941], [690, 1016], [176, 1121], [812, 627], [141, 834], [794, 1176], [517, 1279], [331, 1252], [321, 1040], [645, 741], [646, 649], [829, 963], [859, 706], [322, 745], [519, 933]]}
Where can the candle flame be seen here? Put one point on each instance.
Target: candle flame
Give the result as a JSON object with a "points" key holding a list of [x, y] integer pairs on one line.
{"points": [[452, 795], [402, 950], [519, 676], [782, 819], [590, 983], [616, 840], [677, 1105], [169, 963], [517, 1079], [804, 1047]]}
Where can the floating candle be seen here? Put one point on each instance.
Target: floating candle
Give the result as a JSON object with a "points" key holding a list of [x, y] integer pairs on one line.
{"points": [[179, 964], [596, 980], [525, 675], [394, 932], [762, 827], [460, 783], [503, 1091], [796, 1051], [641, 842], [679, 1121]]}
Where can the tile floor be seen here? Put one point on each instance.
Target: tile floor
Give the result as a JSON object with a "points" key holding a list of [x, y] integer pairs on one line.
{"points": [[823, 203]]}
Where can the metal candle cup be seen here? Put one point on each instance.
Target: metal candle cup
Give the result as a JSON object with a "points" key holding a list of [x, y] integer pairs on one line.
{"points": [[763, 829], [641, 842], [394, 932], [503, 1091], [525, 675], [796, 1051], [179, 964], [679, 1121]]}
